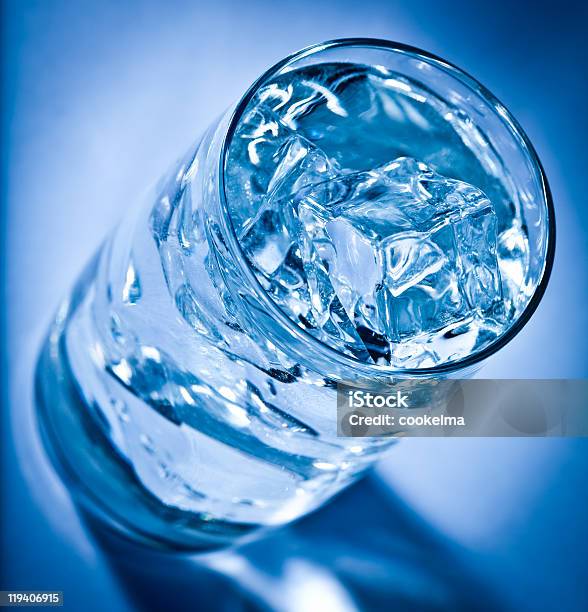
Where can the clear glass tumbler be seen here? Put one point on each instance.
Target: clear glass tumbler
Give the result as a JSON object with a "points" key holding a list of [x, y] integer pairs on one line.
{"points": [[181, 406]]}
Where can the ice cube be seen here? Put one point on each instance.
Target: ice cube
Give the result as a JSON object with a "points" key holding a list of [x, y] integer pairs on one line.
{"points": [[292, 256], [411, 252], [300, 164], [266, 240], [269, 234]]}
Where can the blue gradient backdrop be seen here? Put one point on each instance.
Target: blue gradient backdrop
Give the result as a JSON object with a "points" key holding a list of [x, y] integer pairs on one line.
{"points": [[98, 98]]}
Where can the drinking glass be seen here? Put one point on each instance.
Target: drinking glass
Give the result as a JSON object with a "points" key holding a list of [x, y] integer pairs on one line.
{"points": [[181, 406]]}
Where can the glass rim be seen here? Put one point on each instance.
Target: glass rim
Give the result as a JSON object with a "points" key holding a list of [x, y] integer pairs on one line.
{"points": [[330, 353]]}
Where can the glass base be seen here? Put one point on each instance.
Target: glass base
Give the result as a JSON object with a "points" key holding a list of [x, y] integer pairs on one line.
{"points": [[98, 478]]}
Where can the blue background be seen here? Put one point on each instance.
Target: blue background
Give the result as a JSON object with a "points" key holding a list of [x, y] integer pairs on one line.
{"points": [[98, 98]]}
